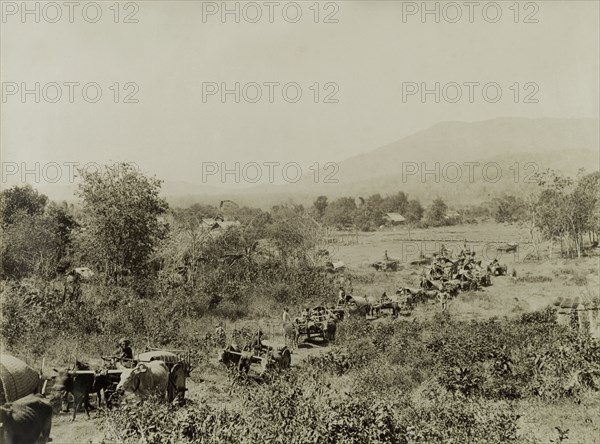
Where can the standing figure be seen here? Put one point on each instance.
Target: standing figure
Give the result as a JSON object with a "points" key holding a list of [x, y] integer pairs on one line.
{"points": [[220, 335], [341, 296], [306, 315], [442, 298], [286, 320]]}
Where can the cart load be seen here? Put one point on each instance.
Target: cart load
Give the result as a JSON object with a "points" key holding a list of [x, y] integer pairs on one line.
{"points": [[17, 379], [158, 355]]}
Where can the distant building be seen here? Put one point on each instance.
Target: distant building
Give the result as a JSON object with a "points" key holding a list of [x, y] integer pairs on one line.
{"points": [[395, 218]]}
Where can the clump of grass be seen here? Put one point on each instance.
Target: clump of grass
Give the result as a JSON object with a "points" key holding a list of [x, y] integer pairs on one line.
{"points": [[579, 279], [533, 279]]}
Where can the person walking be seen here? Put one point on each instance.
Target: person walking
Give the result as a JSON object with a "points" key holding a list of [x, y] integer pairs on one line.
{"points": [[286, 320]]}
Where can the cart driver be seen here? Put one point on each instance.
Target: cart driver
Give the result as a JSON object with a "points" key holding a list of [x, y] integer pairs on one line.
{"points": [[125, 350], [257, 344]]}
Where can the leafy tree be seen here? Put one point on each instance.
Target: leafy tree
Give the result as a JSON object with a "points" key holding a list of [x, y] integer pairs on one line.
{"points": [[21, 201], [414, 211], [122, 219], [436, 214], [375, 201], [508, 208], [340, 212], [396, 203], [567, 209], [586, 197], [320, 205], [37, 244]]}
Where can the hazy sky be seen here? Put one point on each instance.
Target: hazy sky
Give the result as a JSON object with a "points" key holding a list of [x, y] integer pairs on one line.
{"points": [[173, 52]]}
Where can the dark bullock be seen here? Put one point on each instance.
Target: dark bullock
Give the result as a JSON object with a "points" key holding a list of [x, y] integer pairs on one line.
{"points": [[26, 420], [78, 385]]}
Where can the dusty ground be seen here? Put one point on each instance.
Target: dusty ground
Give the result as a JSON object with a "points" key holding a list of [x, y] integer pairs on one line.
{"points": [[537, 285], [212, 385]]}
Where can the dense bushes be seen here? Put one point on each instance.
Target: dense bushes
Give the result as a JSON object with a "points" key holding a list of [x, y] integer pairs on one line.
{"points": [[35, 311], [303, 406], [493, 359], [433, 381]]}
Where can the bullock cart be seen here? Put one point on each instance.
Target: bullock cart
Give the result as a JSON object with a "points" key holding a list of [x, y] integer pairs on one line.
{"points": [[315, 326], [177, 361], [352, 305], [179, 364], [385, 308], [386, 265], [276, 356]]}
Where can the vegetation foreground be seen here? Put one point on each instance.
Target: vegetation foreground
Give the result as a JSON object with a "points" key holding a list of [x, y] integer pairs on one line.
{"points": [[398, 382], [162, 279]]}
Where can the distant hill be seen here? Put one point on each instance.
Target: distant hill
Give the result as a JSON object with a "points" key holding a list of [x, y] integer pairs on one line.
{"points": [[518, 146], [427, 164]]}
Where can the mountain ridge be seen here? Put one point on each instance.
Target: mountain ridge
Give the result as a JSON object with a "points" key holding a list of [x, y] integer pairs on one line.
{"points": [[563, 144]]}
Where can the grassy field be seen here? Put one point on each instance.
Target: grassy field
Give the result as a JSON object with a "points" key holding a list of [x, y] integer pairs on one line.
{"points": [[536, 285]]}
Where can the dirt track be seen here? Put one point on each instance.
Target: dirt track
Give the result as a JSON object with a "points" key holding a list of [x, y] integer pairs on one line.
{"points": [[214, 384]]}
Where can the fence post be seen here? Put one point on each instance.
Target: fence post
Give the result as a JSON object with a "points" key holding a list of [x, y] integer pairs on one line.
{"points": [[594, 315]]}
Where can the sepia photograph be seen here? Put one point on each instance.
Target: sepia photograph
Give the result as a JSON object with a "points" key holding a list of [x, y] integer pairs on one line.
{"points": [[310, 221]]}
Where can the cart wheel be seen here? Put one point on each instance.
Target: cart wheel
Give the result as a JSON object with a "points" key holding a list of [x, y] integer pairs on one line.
{"points": [[176, 388]]}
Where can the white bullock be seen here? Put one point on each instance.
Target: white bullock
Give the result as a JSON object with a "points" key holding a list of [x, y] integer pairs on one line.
{"points": [[147, 378]]}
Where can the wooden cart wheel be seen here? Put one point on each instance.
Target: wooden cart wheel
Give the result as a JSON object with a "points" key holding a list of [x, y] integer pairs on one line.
{"points": [[176, 388]]}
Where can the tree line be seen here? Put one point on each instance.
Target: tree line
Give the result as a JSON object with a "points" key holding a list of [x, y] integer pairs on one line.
{"points": [[123, 227]]}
